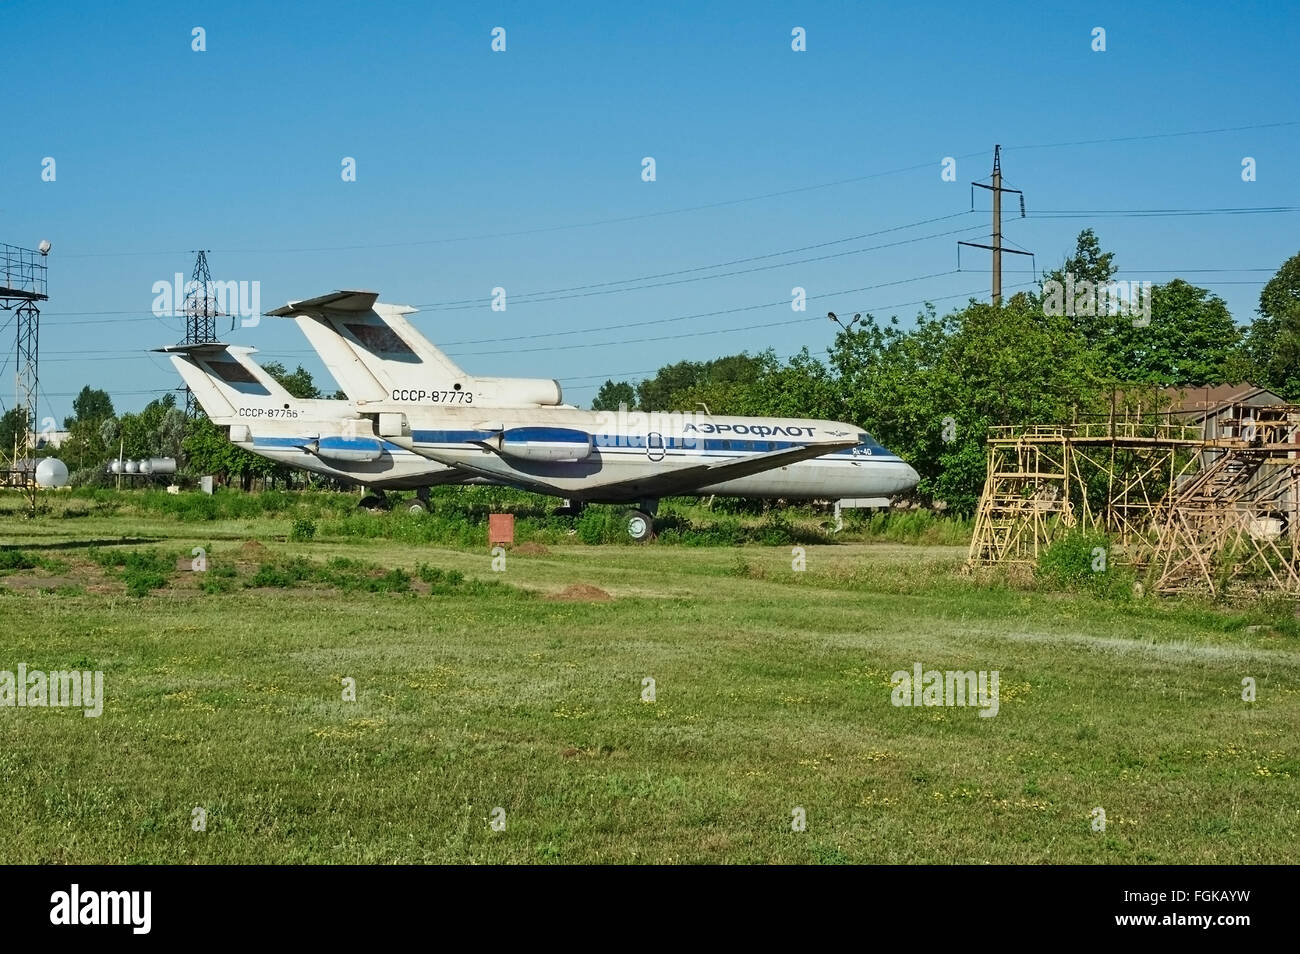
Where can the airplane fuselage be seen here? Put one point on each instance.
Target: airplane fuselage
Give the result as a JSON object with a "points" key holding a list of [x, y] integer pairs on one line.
{"points": [[567, 451]]}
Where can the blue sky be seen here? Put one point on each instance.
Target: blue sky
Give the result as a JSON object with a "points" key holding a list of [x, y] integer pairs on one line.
{"points": [[522, 169]]}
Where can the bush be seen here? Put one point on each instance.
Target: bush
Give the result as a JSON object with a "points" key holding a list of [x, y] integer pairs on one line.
{"points": [[15, 560], [1084, 561], [141, 570], [437, 577], [600, 525], [304, 529]]}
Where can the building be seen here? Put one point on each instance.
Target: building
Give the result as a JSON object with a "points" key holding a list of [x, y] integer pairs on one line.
{"points": [[1219, 408]]}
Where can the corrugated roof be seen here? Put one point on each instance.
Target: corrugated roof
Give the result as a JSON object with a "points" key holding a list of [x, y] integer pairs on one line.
{"points": [[1202, 402]]}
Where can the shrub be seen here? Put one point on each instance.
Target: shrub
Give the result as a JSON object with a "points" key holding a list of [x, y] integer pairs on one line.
{"points": [[1084, 561], [15, 560]]}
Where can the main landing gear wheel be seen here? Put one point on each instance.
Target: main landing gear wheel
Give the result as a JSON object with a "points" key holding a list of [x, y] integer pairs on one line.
{"points": [[375, 502], [415, 505], [640, 526]]}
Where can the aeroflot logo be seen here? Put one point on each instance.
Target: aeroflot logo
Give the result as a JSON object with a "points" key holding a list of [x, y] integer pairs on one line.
{"points": [[762, 430], [614, 427], [103, 907]]}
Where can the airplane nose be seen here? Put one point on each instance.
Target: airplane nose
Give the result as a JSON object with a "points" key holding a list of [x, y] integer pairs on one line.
{"points": [[911, 477], [902, 477]]}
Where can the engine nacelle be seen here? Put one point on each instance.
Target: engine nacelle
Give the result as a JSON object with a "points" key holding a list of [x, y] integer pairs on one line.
{"points": [[518, 392], [359, 450], [545, 443]]}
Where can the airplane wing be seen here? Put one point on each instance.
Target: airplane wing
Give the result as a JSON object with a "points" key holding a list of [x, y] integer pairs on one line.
{"points": [[702, 475], [665, 483]]}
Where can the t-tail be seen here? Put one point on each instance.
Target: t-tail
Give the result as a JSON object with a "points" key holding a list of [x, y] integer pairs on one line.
{"points": [[377, 356], [238, 393], [230, 386]]}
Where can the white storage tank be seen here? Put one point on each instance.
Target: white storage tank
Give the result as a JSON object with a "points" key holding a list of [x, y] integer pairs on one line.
{"points": [[158, 465], [51, 472]]}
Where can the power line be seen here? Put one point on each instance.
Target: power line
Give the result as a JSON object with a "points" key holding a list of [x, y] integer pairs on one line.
{"points": [[700, 268], [706, 314], [723, 331], [742, 271], [1155, 213], [1170, 135], [135, 354], [551, 228], [1083, 213], [929, 164]]}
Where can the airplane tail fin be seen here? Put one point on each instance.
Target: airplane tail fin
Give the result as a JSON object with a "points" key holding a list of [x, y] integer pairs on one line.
{"points": [[376, 354], [229, 386]]}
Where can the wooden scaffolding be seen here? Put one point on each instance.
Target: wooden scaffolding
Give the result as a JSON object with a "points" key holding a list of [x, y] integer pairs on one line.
{"points": [[1190, 513]]}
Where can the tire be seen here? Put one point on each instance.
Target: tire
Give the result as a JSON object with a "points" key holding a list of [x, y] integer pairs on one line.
{"points": [[373, 502], [415, 505], [640, 526]]}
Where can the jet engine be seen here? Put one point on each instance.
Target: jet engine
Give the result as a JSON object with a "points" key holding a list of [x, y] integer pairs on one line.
{"points": [[544, 443], [339, 447]]}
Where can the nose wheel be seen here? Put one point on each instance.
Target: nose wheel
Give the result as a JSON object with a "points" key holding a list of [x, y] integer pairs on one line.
{"points": [[640, 526]]}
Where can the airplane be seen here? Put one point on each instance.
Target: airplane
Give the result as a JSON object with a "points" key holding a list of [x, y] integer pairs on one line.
{"points": [[518, 431], [327, 437]]}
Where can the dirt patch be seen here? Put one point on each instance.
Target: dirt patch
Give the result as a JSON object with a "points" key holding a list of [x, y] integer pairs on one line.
{"points": [[581, 593], [531, 549], [252, 549], [38, 582]]}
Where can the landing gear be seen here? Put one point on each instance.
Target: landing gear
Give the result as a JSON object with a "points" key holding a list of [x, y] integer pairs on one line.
{"points": [[640, 526], [375, 501], [570, 508], [419, 503]]}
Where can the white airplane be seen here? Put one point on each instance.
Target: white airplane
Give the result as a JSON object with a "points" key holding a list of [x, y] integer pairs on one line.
{"points": [[321, 436], [517, 431]]}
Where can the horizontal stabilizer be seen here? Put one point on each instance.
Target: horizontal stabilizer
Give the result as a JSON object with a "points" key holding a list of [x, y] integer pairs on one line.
{"points": [[360, 301], [202, 347]]}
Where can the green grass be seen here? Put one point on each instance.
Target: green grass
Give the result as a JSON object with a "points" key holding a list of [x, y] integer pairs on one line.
{"points": [[478, 689], [459, 515]]}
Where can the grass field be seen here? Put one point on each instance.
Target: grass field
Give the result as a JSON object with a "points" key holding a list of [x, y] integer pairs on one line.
{"points": [[522, 690]]}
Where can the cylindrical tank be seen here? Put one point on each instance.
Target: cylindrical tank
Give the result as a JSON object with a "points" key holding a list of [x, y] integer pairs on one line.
{"points": [[115, 467], [132, 467], [158, 465], [51, 472]]}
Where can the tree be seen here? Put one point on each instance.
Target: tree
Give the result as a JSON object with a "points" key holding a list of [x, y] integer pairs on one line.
{"points": [[930, 394], [678, 387], [656, 393], [1191, 340], [611, 395], [13, 425], [83, 445], [1272, 344], [1088, 264], [298, 383], [91, 406]]}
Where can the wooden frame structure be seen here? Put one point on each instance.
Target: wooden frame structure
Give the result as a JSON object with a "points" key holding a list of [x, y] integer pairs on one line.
{"points": [[1191, 513]]}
